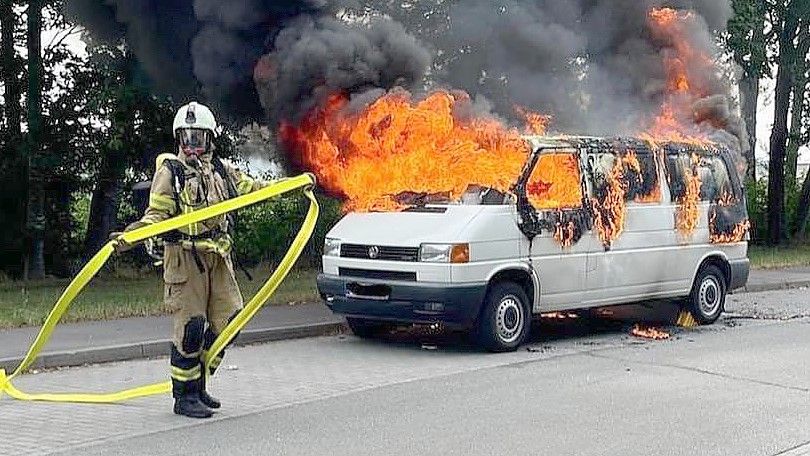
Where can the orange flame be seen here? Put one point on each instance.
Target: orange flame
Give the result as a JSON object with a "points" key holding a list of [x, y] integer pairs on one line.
{"points": [[736, 235], [555, 182], [559, 315], [686, 214], [536, 123], [740, 229], [684, 65], [564, 233], [609, 212], [398, 144], [649, 332]]}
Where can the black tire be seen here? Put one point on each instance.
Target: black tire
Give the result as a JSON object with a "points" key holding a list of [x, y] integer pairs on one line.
{"points": [[505, 318], [365, 329], [707, 299]]}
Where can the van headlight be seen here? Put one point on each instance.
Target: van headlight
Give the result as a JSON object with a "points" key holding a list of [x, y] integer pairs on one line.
{"points": [[331, 247], [444, 253]]}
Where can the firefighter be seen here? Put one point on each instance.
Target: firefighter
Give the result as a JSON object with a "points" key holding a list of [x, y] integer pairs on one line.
{"points": [[200, 284]]}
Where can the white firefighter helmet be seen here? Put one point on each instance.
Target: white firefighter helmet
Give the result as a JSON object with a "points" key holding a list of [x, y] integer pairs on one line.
{"points": [[195, 116]]}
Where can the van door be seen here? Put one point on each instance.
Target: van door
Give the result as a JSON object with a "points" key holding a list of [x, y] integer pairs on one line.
{"points": [[691, 234], [555, 190], [632, 234]]}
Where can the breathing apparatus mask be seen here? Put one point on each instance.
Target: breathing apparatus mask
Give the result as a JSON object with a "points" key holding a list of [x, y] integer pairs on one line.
{"points": [[194, 143]]}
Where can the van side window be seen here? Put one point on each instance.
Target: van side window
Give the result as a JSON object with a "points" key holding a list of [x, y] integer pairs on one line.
{"points": [[711, 171], [634, 173], [714, 179], [555, 182]]}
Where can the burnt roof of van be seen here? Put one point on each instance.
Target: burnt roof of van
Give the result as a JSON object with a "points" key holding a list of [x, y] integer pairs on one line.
{"points": [[619, 143]]}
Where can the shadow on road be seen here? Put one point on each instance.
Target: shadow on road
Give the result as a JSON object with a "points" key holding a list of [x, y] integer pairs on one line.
{"points": [[554, 326]]}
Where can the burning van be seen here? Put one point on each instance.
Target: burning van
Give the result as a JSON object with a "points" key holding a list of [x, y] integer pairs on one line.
{"points": [[589, 222]]}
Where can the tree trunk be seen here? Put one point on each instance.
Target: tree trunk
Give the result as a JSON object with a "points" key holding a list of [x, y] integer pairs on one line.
{"points": [[749, 96], [803, 210], [10, 72], [35, 261], [779, 134], [798, 106], [749, 89], [104, 205]]}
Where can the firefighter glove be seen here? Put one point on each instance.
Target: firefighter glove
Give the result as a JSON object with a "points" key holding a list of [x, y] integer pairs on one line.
{"points": [[119, 244]]}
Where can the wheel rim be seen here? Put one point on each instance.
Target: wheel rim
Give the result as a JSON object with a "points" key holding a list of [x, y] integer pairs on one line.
{"points": [[709, 296], [509, 319]]}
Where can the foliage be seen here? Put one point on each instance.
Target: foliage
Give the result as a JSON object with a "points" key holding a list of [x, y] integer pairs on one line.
{"points": [[757, 197], [745, 39], [265, 231]]}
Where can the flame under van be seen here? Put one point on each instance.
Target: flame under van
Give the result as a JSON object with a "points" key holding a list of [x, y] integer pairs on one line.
{"points": [[589, 222]]}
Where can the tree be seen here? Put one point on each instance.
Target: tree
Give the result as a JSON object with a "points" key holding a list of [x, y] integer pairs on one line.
{"points": [[800, 134], [139, 129], [35, 225], [788, 24], [798, 104], [109, 183], [747, 42], [13, 202]]}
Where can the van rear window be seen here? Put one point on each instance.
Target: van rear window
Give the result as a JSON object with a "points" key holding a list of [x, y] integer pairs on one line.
{"points": [[711, 170], [555, 182]]}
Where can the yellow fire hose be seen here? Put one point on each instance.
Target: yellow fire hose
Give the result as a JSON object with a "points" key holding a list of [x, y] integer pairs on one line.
{"points": [[94, 265]]}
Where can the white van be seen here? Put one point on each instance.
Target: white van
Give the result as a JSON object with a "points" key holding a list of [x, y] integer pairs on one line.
{"points": [[590, 222]]}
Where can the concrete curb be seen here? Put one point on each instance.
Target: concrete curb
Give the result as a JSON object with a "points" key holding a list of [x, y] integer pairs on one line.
{"points": [[158, 348], [786, 285]]}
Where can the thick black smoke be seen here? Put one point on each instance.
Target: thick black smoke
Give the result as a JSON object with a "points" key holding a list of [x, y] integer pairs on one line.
{"points": [[188, 47], [594, 65], [314, 58]]}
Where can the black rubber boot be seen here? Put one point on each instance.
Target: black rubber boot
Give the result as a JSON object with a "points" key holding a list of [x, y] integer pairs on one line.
{"points": [[208, 400], [187, 399], [191, 407]]}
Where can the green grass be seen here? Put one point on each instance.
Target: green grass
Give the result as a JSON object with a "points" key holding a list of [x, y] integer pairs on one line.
{"points": [[779, 257], [106, 298]]}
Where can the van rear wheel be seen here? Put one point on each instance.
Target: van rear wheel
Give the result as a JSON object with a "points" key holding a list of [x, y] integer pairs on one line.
{"points": [[708, 297], [365, 329], [505, 318]]}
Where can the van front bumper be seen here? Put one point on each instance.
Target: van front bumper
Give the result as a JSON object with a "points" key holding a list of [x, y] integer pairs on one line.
{"points": [[405, 302], [739, 273]]}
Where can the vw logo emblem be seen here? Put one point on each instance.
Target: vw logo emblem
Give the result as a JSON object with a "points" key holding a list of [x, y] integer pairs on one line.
{"points": [[373, 252]]}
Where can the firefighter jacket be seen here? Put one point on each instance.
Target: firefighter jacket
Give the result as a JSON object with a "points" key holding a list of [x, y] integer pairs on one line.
{"points": [[172, 194]]}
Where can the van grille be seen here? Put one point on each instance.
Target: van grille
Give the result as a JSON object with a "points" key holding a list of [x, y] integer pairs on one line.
{"points": [[381, 275], [383, 253]]}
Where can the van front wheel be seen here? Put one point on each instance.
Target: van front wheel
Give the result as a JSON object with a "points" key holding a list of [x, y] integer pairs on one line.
{"points": [[708, 296], [505, 318]]}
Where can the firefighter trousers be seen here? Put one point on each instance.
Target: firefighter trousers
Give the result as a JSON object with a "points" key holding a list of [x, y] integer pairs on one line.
{"points": [[203, 296]]}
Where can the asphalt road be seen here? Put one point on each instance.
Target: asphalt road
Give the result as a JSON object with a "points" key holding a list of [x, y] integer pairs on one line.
{"points": [[740, 387]]}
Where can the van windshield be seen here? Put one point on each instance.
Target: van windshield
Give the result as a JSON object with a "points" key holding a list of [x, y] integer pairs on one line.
{"points": [[474, 195], [555, 183]]}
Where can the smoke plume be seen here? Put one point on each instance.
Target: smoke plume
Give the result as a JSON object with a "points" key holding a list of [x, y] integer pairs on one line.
{"points": [[314, 58], [193, 47], [595, 66]]}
